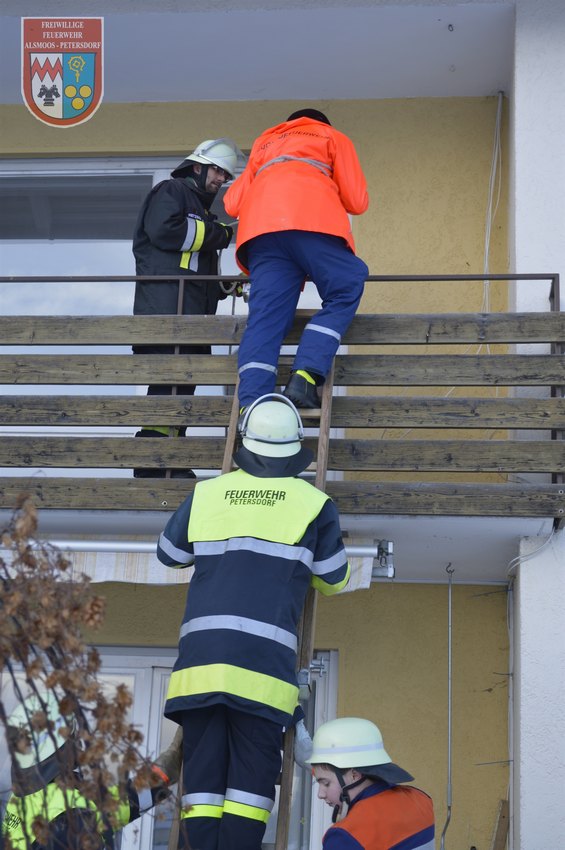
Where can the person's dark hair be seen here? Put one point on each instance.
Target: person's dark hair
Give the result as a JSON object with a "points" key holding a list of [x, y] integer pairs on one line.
{"points": [[309, 113]]}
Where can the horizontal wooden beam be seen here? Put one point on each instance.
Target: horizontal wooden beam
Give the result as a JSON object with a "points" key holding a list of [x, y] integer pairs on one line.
{"points": [[114, 410], [350, 370], [511, 500], [377, 329], [347, 411], [479, 456]]}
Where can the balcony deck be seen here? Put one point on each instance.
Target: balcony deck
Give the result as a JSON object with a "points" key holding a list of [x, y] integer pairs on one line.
{"points": [[465, 420]]}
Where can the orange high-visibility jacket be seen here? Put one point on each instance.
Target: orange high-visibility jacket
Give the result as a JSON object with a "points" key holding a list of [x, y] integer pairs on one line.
{"points": [[301, 175], [398, 818]]}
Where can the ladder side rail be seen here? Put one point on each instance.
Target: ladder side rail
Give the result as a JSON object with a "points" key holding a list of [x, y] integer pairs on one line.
{"points": [[306, 628]]}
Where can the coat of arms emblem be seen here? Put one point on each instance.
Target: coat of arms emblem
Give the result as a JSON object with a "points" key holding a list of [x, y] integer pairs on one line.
{"points": [[62, 69]]}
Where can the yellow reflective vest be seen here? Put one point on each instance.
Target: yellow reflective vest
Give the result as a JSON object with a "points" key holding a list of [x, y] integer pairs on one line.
{"points": [[257, 545], [49, 803]]}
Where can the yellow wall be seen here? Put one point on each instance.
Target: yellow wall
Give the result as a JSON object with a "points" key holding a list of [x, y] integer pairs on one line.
{"points": [[392, 643], [427, 164]]}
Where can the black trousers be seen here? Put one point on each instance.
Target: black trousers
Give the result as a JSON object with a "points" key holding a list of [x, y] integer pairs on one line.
{"points": [[200, 298], [231, 761]]}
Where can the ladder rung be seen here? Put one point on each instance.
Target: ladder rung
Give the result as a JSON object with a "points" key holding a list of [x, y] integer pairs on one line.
{"points": [[310, 412]]}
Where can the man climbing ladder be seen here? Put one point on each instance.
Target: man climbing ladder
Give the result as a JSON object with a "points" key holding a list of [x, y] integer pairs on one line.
{"points": [[302, 181], [258, 537]]}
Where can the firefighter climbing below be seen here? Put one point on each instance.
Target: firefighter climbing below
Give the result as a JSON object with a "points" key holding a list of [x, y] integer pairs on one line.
{"points": [[258, 538]]}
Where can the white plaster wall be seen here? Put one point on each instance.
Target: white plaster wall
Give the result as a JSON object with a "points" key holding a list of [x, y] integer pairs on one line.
{"points": [[537, 124], [539, 696], [537, 162]]}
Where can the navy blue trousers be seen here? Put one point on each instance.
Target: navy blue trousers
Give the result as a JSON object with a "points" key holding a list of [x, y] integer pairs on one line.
{"points": [[231, 761], [278, 265]]}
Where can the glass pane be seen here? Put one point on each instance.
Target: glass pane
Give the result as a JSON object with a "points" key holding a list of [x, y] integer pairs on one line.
{"points": [[103, 206]]}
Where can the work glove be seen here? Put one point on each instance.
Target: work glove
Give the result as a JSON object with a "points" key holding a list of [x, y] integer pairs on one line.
{"points": [[242, 291], [227, 233], [170, 760], [302, 744]]}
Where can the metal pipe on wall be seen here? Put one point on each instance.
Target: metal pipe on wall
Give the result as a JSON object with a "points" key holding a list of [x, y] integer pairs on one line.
{"points": [[145, 547], [449, 572]]}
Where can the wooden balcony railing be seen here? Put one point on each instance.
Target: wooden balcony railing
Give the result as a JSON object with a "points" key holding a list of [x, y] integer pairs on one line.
{"points": [[437, 428]]}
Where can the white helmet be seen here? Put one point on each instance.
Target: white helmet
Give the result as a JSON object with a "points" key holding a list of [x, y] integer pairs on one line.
{"points": [[272, 428], [221, 152], [353, 742], [47, 730]]}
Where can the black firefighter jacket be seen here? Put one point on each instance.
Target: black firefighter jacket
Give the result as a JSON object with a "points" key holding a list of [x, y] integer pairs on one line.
{"points": [[176, 234]]}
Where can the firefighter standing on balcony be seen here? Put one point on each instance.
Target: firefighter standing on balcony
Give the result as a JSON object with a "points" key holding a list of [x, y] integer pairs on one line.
{"points": [[258, 538], [43, 778], [177, 234], [302, 180]]}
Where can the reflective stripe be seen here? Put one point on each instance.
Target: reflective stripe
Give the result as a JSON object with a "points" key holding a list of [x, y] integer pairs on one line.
{"points": [[229, 679], [199, 238], [195, 232], [330, 589], [335, 751], [323, 330], [190, 234], [259, 547], [145, 799], [241, 624], [202, 812], [189, 260], [179, 555], [201, 799], [243, 811], [254, 365], [323, 166], [234, 795], [328, 565]]}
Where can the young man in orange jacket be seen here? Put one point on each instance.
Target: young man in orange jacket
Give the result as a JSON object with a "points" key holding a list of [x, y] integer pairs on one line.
{"points": [[301, 182], [372, 810]]}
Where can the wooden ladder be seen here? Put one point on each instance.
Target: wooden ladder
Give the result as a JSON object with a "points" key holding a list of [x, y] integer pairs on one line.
{"points": [[308, 619]]}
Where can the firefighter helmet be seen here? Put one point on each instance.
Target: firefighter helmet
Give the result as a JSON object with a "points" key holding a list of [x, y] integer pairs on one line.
{"points": [[221, 152], [48, 732], [353, 742], [271, 426]]}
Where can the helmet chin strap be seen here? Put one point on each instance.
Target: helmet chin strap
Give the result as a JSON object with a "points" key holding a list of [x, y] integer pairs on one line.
{"points": [[342, 808], [198, 182]]}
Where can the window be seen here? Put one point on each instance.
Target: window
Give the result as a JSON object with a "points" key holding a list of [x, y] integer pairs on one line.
{"points": [[71, 206]]}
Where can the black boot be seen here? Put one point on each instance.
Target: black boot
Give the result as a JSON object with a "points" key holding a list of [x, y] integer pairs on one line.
{"points": [[301, 392]]}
